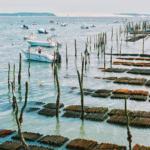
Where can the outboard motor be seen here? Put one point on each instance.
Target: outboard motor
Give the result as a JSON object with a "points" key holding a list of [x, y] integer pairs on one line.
{"points": [[58, 57]]}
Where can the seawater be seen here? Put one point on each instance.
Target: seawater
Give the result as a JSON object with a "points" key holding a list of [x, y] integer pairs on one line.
{"points": [[11, 44]]}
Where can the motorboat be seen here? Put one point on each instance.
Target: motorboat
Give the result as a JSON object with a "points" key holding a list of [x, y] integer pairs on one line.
{"points": [[34, 23], [40, 54], [30, 37], [92, 25], [52, 28], [116, 21], [25, 27], [64, 24], [48, 43], [84, 26], [42, 31], [52, 21]]}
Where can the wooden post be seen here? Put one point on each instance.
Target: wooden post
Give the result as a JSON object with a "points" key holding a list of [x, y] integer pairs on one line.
{"points": [[75, 48], [53, 64], [14, 76], [29, 63], [111, 57], [66, 55], [112, 34], [129, 138], [104, 58], [143, 44], [82, 95], [105, 37], [25, 104], [82, 71], [58, 96], [9, 75], [14, 96], [19, 75], [25, 145], [120, 49]]}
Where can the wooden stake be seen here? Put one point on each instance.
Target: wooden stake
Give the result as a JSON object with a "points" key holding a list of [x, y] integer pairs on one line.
{"points": [[75, 48], [111, 57], [58, 96], [82, 95], [66, 55], [9, 75], [29, 63], [19, 75], [129, 138], [82, 71]]}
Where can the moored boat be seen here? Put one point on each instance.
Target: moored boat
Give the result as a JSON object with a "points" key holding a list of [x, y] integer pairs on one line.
{"points": [[52, 28], [41, 30], [30, 37], [25, 27], [92, 25], [34, 23], [84, 26]]}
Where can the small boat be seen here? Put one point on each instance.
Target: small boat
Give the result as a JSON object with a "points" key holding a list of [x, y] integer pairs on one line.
{"points": [[56, 22], [116, 21], [92, 25], [64, 24], [34, 23], [42, 31], [39, 55], [25, 27], [52, 28], [22, 20], [30, 37], [84, 26], [52, 21], [48, 43]]}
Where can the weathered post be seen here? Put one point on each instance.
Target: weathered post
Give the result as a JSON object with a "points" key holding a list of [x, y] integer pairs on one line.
{"points": [[82, 71], [120, 49], [29, 63], [75, 48], [143, 44], [58, 95], [129, 138], [19, 75], [111, 57], [25, 145], [104, 58], [66, 55], [14, 96], [82, 95], [9, 75]]}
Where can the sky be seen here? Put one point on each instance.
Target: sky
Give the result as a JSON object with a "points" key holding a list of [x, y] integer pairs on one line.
{"points": [[64, 7]]}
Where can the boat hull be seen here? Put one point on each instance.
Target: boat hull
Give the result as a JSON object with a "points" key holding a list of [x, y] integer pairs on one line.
{"points": [[38, 57], [38, 43]]}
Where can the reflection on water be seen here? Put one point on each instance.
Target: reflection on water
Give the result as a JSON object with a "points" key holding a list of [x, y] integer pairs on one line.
{"points": [[82, 132], [57, 130], [13, 119]]}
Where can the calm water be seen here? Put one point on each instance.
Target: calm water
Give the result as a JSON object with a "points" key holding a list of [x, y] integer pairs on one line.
{"points": [[47, 93]]}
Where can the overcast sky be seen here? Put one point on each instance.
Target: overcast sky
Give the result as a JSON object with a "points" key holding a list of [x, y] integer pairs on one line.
{"points": [[73, 6]]}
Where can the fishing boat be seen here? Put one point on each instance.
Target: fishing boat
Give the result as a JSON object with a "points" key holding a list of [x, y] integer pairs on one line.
{"points": [[42, 31], [30, 37], [84, 26], [92, 25], [25, 27], [116, 21], [48, 43], [52, 28], [40, 54], [64, 24], [52, 21], [34, 23]]}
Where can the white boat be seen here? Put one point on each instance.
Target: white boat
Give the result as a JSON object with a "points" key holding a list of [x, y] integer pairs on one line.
{"points": [[48, 43], [84, 26], [56, 22], [52, 28], [64, 24], [116, 21], [92, 25], [39, 55], [30, 37], [42, 31], [34, 23]]}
